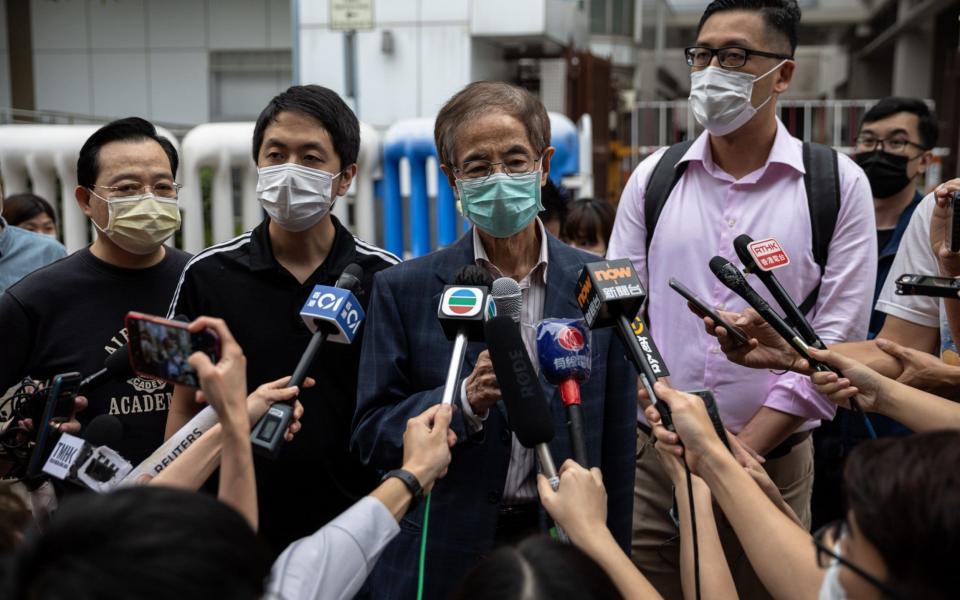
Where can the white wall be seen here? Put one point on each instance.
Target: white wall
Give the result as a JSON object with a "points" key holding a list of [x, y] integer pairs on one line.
{"points": [[145, 57]]}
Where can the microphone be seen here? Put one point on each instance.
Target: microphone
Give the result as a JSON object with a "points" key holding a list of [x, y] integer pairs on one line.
{"points": [[463, 307], [330, 313], [760, 258], [563, 349], [90, 461], [609, 294], [116, 367], [175, 445], [527, 410], [733, 279], [507, 297]]}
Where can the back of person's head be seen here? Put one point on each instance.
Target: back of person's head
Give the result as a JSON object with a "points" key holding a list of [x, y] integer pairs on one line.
{"points": [[782, 17], [537, 569], [14, 518], [18, 208], [484, 97], [927, 125], [131, 129], [555, 203], [589, 223], [140, 542], [322, 105], [904, 494]]}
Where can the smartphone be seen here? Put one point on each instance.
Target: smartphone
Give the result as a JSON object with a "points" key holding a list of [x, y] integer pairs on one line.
{"points": [[159, 348], [927, 285], [953, 227], [58, 407], [705, 311]]}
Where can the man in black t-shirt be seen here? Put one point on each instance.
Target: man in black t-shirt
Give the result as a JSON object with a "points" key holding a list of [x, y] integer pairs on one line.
{"points": [[69, 316], [305, 144]]}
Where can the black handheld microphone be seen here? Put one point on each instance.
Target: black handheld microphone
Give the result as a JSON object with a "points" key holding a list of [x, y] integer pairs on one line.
{"points": [[527, 411], [728, 274], [462, 310], [331, 313], [609, 294], [116, 367], [751, 264]]}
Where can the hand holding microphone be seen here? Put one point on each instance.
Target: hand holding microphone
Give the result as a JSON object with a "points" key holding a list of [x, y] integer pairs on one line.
{"points": [[765, 349], [579, 504]]}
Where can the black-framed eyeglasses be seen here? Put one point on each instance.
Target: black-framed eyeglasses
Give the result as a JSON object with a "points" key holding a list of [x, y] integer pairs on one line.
{"points": [[730, 57], [480, 170], [824, 540], [869, 143]]}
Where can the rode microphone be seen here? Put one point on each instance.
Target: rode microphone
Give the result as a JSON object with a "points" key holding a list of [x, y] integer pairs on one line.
{"points": [[116, 367], [90, 461], [761, 258], [330, 313], [563, 349], [462, 310], [609, 294], [728, 274]]}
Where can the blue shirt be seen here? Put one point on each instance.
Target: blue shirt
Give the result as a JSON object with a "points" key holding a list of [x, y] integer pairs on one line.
{"points": [[23, 252]]}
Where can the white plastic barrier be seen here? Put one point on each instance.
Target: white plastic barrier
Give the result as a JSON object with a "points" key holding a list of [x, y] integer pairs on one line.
{"points": [[223, 147], [46, 155]]}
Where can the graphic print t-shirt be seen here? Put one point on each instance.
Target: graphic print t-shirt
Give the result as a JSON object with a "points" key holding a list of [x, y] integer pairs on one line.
{"points": [[69, 316]]}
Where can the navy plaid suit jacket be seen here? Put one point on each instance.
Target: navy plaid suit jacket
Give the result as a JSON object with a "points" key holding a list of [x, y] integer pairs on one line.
{"points": [[402, 371]]}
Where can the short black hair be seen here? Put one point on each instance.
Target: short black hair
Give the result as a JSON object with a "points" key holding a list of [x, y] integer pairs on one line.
{"points": [[319, 103], [928, 127], [140, 542], [589, 221], [23, 207], [131, 129], [904, 495], [783, 16], [538, 569]]}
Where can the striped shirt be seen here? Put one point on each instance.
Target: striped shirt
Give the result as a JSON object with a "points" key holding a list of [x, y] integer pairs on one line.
{"points": [[521, 484]]}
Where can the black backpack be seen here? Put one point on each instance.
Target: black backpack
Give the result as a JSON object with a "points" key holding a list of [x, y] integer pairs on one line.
{"points": [[822, 183]]}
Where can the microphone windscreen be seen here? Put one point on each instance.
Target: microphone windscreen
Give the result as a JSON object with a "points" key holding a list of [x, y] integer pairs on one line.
{"points": [[506, 295], [104, 430], [740, 244], [118, 364], [727, 273], [473, 275], [563, 350], [527, 410], [350, 278]]}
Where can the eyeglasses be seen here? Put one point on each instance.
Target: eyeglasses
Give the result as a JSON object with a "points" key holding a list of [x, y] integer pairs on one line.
{"points": [[518, 164], [730, 57], [163, 189], [824, 540], [868, 143]]}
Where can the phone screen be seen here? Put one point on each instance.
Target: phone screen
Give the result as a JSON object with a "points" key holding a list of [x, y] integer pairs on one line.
{"points": [[161, 348], [953, 231]]}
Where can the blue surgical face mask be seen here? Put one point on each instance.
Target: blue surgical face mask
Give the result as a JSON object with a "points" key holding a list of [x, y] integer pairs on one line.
{"points": [[501, 204]]}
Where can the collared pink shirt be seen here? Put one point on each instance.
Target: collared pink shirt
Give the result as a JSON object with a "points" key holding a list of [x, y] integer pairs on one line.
{"points": [[705, 212]]}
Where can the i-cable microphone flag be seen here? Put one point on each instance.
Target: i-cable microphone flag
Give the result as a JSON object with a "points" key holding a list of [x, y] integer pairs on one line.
{"points": [[762, 258], [563, 350], [464, 306], [610, 294], [332, 313], [728, 274]]}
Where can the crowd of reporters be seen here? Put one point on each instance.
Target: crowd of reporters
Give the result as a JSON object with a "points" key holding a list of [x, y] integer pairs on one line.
{"points": [[385, 490]]}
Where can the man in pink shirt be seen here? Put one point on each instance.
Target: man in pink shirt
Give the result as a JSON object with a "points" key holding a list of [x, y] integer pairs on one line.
{"points": [[744, 174]]}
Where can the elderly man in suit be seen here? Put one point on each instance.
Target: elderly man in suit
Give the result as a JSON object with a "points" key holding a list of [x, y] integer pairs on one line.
{"points": [[493, 140]]}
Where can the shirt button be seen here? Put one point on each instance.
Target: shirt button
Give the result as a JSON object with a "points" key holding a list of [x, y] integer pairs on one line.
{"points": [[715, 350], [732, 222], [493, 497], [721, 306]]}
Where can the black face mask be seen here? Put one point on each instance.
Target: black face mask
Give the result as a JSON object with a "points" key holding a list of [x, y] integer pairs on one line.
{"points": [[887, 173]]}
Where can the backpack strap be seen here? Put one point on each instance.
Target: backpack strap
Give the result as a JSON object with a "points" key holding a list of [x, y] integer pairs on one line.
{"points": [[822, 184], [662, 181]]}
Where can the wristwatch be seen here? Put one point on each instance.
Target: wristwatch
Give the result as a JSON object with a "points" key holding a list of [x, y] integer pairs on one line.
{"points": [[411, 481]]}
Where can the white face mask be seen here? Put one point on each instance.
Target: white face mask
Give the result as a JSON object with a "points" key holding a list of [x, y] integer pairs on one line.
{"points": [[831, 588], [296, 198], [720, 98]]}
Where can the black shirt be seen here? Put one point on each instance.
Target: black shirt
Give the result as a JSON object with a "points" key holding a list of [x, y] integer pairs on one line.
{"points": [[315, 477], [69, 316]]}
